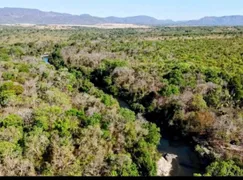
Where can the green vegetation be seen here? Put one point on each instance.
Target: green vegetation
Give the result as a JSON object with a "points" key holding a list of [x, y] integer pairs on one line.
{"points": [[48, 127], [223, 168], [62, 118]]}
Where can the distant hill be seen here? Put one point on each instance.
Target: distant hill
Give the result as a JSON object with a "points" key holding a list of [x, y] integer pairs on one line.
{"points": [[35, 16], [217, 21]]}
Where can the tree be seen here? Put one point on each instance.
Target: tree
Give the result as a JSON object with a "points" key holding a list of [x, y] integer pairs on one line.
{"points": [[223, 168]]}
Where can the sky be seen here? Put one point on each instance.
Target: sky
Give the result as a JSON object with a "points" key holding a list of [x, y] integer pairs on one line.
{"points": [[161, 9]]}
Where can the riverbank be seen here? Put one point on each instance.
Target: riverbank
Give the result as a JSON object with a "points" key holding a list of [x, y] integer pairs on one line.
{"points": [[186, 161], [178, 158]]}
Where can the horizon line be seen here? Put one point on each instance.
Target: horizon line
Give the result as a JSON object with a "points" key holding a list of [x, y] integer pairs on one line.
{"points": [[119, 16]]}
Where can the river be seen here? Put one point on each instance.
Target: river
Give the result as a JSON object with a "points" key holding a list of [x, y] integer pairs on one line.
{"points": [[46, 59], [187, 162]]}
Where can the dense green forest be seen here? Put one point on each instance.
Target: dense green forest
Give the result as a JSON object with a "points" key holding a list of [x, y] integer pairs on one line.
{"points": [[62, 117]]}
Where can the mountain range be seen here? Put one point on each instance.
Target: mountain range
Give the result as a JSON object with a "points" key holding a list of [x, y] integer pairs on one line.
{"points": [[35, 16]]}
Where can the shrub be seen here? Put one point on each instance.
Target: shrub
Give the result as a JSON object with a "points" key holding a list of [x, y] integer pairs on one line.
{"points": [[223, 168], [138, 107], [198, 103], [23, 68], [5, 97], [7, 149], [4, 57], [9, 86], [144, 160], [8, 76], [153, 136], [127, 114], [11, 120], [108, 100], [169, 90]]}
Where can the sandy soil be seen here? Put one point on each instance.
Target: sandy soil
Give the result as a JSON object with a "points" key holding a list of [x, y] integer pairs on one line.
{"points": [[182, 161], [70, 26], [166, 166]]}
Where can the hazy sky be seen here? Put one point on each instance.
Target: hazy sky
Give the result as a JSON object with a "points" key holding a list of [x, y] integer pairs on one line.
{"points": [[162, 9]]}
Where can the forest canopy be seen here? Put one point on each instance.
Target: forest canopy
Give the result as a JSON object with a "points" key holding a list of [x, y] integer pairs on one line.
{"points": [[63, 118]]}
